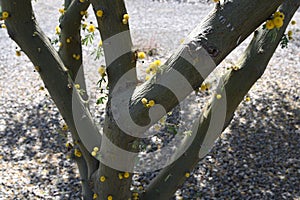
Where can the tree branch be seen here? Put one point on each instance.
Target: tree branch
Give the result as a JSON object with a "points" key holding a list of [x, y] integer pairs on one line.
{"points": [[23, 29], [235, 86]]}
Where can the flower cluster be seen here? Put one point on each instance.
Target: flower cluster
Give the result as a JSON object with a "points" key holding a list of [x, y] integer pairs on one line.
{"points": [[77, 153], [152, 69], [141, 55], [123, 175], [125, 18], [147, 103], [276, 21], [95, 151]]}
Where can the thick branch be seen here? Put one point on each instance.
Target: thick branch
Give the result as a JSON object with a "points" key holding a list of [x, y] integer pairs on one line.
{"points": [[70, 30], [23, 29], [236, 84], [120, 59]]}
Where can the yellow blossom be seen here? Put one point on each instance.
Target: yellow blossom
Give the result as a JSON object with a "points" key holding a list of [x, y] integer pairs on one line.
{"points": [[101, 70], [91, 28], [3, 26], [102, 179], [94, 153], [126, 16], [96, 149], [150, 104], [57, 30], [124, 21], [61, 10], [18, 53], [247, 98], [64, 127], [95, 196], [293, 22], [99, 13], [5, 15], [270, 25], [126, 175], [135, 194], [279, 14], [290, 33], [109, 197], [77, 86], [82, 1], [144, 101], [278, 22], [205, 86], [68, 40], [235, 68], [77, 153], [141, 55], [157, 62], [187, 174], [218, 96], [60, 44], [120, 176], [69, 145]]}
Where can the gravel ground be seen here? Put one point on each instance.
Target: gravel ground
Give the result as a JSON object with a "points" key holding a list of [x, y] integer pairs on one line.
{"points": [[257, 157]]}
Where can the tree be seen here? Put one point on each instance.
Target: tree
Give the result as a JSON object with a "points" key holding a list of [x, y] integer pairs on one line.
{"points": [[107, 162]]}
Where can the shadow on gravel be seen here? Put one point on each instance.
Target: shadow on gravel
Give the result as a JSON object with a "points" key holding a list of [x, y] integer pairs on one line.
{"points": [[33, 135], [257, 156]]}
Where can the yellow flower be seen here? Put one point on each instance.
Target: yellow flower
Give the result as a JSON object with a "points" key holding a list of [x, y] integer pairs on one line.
{"points": [[205, 86], [120, 176], [5, 15], [68, 40], [64, 127], [141, 55], [279, 14], [109, 197], [94, 153], [84, 25], [157, 62], [247, 98], [61, 10], [99, 13], [126, 16], [60, 44], [95, 196], [96, 149], [278, 22], [187, 174], [3, 26], [91, 28], [77, 153], [270, 25], [293, 22], [84, 12], [152, 68], [82, 1], [125, 21], [290, 33], [77, 86], [218, 96], [57, 30], [18, 53], [102, 179], [144, 101], [100, 43], [151, 103], [126, 175], [101, 70]]}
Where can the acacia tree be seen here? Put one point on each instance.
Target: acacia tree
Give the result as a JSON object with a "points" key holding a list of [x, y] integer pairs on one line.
{"points": [[107, 162]]}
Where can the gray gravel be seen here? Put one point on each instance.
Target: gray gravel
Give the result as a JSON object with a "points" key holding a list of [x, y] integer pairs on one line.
{"points": [[257, 157]]}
